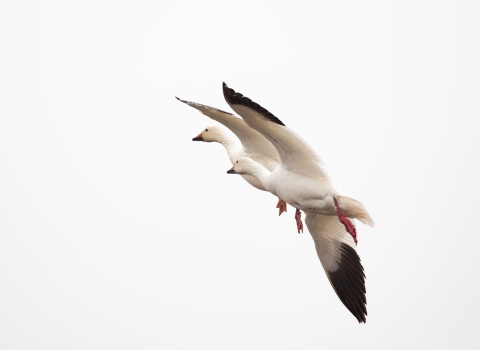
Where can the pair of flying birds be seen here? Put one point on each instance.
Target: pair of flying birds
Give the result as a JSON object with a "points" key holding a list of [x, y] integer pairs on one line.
{"points": [[273, 158]]}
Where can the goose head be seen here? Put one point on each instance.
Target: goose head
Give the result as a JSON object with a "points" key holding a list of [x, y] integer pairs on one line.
{"points": [[243, 166], [209, 134]]}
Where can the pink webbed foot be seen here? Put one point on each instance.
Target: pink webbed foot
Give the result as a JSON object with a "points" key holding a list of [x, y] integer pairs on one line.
{"points": [[346, 221], [282, 207], [298, 218]]}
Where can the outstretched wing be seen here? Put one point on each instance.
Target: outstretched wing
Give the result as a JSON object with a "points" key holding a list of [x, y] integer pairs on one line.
{"points": [[252, 141], [337, 253], [295, 154]]}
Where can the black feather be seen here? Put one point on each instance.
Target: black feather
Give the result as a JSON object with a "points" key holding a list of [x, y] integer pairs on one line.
{"points": [[236, 98], [198, 104], [348, 281]]}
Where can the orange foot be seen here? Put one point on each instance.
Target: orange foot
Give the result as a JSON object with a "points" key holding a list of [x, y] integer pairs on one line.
{"points": [[346, 221], [298, 218], [282, 207]]}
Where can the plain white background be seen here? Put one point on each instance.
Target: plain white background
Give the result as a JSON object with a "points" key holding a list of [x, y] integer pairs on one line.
{"points": [[119, 232]]}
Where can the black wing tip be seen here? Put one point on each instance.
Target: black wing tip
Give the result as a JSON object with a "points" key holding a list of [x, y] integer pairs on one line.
{"points": [[178, 98], [235, 98], [348, 281], [199, 104]]}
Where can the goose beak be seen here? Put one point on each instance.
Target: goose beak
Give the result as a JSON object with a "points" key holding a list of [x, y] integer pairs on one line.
{"points": [[198, 137], [231, 171]]}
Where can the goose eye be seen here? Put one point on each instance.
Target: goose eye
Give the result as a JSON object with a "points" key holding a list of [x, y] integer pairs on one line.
{"points": [[206, 129], [237, 161]]}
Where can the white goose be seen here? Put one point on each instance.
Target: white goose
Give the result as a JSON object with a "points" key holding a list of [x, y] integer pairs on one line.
{"points": [[253, 145], [302, 181]]}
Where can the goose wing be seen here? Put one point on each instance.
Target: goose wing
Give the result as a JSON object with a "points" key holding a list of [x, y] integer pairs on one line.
{"points": [[295, 154], [337, 253], [252, 141]]}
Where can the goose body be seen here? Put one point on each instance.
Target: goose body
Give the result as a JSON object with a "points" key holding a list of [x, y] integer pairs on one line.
{"points": [[300, 191]]}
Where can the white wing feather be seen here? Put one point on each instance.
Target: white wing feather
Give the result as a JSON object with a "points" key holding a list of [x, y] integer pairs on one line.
{"points": [[328, 233], [295, 154], [337, 253], [252, 141]]}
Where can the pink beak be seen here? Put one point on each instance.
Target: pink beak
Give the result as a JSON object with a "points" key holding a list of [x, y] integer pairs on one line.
{"points": [[198, 137]]}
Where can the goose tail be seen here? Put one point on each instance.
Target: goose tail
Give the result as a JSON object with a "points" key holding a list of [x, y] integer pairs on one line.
{"points": [[355, 210]]}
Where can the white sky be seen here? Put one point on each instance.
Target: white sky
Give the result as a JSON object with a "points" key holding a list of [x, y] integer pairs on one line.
{"points": [[119, 232]]}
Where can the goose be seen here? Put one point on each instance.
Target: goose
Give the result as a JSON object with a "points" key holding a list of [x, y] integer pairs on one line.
{"points": [[301, 180], [253, 145]]}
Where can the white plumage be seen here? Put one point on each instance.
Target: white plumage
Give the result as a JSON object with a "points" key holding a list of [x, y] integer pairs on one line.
{"points": [[302, 181]]}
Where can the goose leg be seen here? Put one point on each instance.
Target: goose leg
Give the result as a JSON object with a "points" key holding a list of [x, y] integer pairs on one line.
{"points": [[282, 207], [298, 218], [345, 221]]}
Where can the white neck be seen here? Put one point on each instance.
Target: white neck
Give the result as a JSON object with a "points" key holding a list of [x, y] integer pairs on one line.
{"points": [[234, 150], [261, 173]]}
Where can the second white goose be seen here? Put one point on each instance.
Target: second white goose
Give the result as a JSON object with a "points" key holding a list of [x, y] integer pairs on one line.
{"points": [[253, 145]]}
